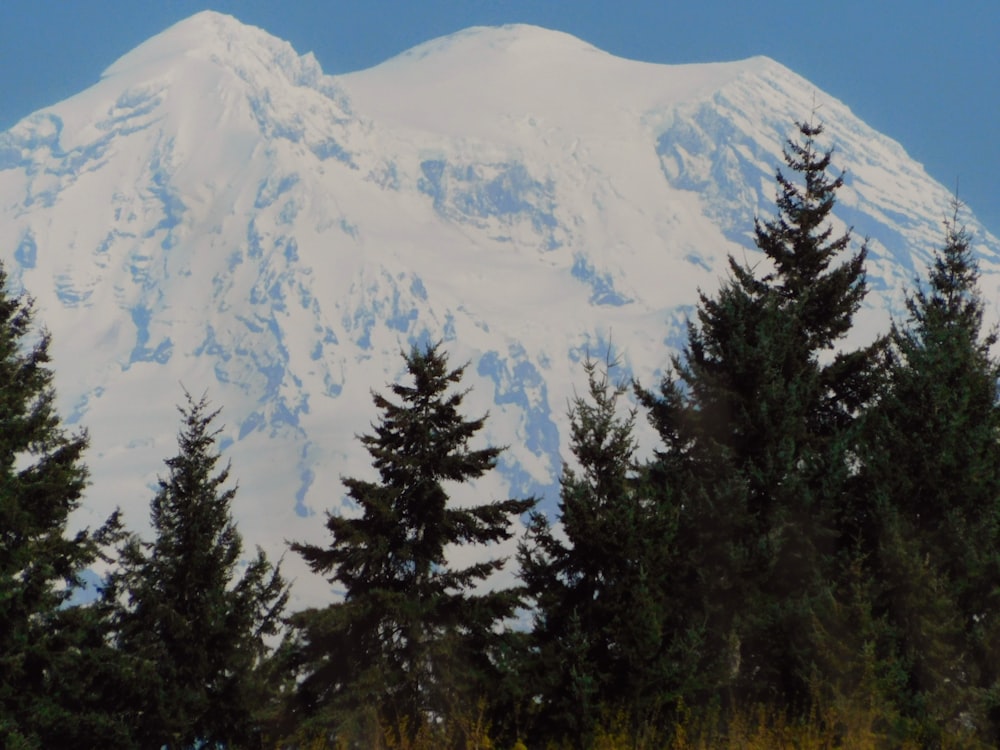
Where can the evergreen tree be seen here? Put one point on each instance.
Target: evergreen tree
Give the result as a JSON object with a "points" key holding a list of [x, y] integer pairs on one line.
{"points": [[192, 632], [44, 651], [412, 641], [755, 425], [932, 469], [605, 633]]}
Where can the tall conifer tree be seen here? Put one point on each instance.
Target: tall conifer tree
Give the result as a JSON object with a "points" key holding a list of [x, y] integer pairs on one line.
{"points": [[606, 632], [932, 470], [191, 630], [44, 700], [755, 424], [412, 640]]}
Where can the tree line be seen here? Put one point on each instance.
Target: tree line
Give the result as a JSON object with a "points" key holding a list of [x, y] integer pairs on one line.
{"points": [[811, 550]]}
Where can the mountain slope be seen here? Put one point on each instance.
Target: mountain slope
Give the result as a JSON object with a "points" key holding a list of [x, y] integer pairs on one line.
{"points": [[218, 213]]}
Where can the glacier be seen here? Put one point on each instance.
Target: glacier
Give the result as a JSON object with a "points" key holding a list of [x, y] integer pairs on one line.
{"points": [[217, 214]]}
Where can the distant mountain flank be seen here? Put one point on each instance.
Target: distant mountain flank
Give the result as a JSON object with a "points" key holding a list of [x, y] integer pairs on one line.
{"points": [[217, 212]]}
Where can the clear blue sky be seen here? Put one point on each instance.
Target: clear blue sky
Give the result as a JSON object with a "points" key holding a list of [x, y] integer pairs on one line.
{"points": [[924, 72]]}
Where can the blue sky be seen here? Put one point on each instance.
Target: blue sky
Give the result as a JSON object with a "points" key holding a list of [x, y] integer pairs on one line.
{"points": [[924, 72]]}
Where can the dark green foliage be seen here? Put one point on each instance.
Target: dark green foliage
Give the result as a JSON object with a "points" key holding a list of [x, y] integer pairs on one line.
{"points": [[756, 426], [606, 630], [192, 632], [412, 639], [42, 477], [932, 471]]}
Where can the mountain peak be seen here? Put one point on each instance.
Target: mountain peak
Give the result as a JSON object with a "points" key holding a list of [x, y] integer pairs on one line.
{"points": [[223, 40], [516, 42], [522, 74]]}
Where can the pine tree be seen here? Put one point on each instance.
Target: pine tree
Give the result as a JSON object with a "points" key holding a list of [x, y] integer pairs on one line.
{"points": [[755, 425], [412, 639], [42, 478], [932, 469], [192, 632], [603, 618]]}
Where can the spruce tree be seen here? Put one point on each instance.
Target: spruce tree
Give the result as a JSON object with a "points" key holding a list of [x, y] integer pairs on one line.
{"points": [[755, 424], [413, 640], [44, 647], [605, 631], [192, 632], [932, 470]]}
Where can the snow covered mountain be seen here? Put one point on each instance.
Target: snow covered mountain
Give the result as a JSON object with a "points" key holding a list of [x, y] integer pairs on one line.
{"points": [[216, 212]]}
